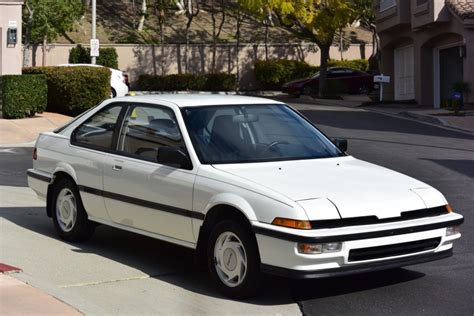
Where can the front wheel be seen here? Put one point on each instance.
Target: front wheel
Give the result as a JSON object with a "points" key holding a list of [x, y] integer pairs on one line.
{"points": [[69, 216], [233, 259]]}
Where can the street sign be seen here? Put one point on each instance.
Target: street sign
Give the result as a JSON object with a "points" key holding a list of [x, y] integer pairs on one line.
{"points": [[94, 48], [382, 79]]}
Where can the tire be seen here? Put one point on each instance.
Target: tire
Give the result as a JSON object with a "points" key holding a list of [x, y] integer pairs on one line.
{"points": [[113, 94], [69, 216], [246, 283]]}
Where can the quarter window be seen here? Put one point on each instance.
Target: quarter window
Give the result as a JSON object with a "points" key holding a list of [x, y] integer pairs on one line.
{"points": [[98, 130], [148, 128]]}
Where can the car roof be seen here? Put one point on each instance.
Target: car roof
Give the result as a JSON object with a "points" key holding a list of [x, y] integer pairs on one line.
{"points": [[186, 100]]}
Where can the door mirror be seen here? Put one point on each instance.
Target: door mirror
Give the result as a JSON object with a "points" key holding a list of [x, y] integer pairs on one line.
{"points": [[173, 157], [340, 143]]}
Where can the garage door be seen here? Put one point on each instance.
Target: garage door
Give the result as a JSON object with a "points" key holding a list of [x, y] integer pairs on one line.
{"points": [[404, 73]]}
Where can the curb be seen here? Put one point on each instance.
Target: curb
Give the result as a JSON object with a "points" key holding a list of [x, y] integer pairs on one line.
{"points": [[28, 144], [425, 118]]}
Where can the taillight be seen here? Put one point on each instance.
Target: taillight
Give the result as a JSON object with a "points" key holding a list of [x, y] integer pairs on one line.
{"points": [[125, 79], [35, 154]]}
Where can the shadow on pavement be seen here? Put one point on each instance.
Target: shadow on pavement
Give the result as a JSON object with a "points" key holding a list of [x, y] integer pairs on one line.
{"points": [[465, 167], [176, 265], [361, 120]]}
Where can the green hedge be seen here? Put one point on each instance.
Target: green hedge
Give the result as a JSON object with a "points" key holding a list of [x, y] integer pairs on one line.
{"points": [[272, 74], [72, 90], [107, 56], [23, 95], [180, 82]]}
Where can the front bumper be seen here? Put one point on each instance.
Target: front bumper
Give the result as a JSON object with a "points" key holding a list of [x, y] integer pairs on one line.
{"points": [[279, 254]]}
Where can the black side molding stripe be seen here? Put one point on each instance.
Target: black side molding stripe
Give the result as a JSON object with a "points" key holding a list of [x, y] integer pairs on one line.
{"points": [[358, 236], [356, 268], [38, 176], [144, 203]]}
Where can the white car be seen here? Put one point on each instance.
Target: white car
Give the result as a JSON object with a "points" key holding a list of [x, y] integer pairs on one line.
{"points": [[248, 183], [118, 80]]}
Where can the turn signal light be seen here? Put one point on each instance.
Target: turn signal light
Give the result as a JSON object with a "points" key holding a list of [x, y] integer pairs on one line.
{"points": [[449, 208], [291, 223]]}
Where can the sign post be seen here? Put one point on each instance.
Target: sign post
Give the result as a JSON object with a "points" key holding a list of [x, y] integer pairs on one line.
{"points": [[94, 49], [381, 79]]}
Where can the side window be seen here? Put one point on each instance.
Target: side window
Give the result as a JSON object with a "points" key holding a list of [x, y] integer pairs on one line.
{"points": [[98, 130], [146, 129]]}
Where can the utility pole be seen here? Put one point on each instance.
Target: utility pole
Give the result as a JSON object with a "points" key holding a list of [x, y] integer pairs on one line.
{"points": [[93, 57]]}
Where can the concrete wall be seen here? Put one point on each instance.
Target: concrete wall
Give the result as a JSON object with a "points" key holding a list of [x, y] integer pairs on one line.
{"points": [[147, 59], [10, 56]]}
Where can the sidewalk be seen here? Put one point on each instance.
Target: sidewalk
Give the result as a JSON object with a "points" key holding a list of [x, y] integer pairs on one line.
{"points": [[18, 298], [25, 131]]}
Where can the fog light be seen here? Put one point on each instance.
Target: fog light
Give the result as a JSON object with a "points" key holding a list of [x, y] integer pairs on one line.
{"points": [[310, 248], [332, 247], [452, 230], [319, 248]]}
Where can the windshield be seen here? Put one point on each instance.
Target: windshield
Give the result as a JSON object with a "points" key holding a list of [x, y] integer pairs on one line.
{"points": [[254, 133]]}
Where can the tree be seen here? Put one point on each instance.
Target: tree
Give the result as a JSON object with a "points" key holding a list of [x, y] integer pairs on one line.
{"points": [[143, 14], [315, 20], [216, 29], [161, 8], [45, 20], [191, 10], [366, 16]]}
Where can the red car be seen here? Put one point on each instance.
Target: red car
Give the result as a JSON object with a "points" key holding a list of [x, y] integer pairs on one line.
{"points": [[355, 82]]}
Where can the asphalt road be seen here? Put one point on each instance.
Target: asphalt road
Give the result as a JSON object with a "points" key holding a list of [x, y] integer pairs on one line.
{"points": [[441, 158]]}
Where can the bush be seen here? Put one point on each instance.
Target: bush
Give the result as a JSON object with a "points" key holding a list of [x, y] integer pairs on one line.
{"points": [[23, 95], [181, 82], [72, 90], [107, 56], [272, 74]]}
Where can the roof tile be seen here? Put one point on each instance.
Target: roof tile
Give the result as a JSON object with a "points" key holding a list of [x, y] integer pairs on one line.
{"points": [[462, 8]]}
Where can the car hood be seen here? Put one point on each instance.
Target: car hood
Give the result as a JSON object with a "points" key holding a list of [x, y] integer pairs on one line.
{"points": [[355, 187]]}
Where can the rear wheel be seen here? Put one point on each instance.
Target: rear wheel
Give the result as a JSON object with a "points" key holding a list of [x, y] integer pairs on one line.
{"points": [[233, 259], [69, 216]]}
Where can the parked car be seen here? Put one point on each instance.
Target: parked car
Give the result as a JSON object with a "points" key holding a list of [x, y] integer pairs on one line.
{"points": [[249, 183], [354, 81], [119, 84]]}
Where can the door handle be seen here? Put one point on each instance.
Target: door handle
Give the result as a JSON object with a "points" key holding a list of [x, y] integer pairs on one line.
{"points": [[117, 167]]}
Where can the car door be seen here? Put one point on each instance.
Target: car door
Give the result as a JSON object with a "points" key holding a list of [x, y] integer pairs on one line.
{"points": [[141, 193], [89, 141]]}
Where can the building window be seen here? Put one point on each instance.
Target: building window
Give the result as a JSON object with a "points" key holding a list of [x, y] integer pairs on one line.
{"points": [[387, 4]]}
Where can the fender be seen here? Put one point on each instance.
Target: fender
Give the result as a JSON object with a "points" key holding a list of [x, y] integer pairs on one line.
{"points": [[233, 200], [66, 168]]}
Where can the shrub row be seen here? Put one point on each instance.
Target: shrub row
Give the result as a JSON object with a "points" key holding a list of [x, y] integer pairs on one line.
{"points": [[107, 56], [72, 90], [195, 82], [271, 74], [23, 95]]}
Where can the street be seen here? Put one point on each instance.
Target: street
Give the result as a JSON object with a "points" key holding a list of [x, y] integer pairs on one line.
{"points": [[118, 272]]}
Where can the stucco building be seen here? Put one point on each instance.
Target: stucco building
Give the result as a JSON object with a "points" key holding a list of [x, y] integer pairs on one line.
{"points": [[10, 37], [426, 47]]}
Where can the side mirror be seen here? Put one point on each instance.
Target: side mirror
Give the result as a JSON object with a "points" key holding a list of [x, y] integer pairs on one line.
{"points": [[173, 157], [340, 143]]}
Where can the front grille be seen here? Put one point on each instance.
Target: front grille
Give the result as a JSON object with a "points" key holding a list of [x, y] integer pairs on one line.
{"points": [[369, 220], [393, 249]]}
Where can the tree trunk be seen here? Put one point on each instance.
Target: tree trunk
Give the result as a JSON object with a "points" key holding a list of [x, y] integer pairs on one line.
{"points": [[43, 62], [214, 38], [162, 44], [142, 16], [323, 69], [237, 57], [186, 46], [266, 40]]}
